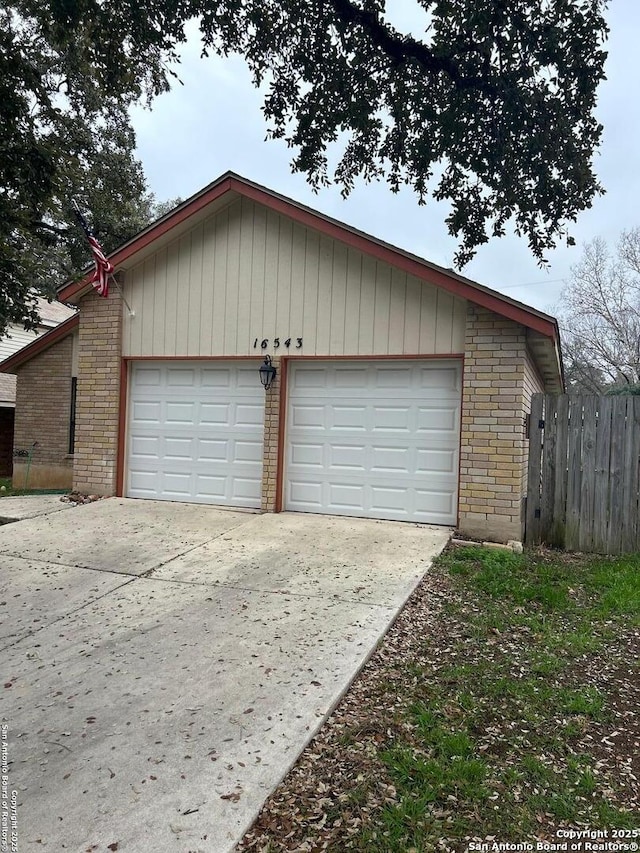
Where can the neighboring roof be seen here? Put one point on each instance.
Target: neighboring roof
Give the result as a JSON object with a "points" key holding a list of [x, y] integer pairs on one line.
{"points": [[7, 390], [40, 344], [53, 313], [230, 186]]}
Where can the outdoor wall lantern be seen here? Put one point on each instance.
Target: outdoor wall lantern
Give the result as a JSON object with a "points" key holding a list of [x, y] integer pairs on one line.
{"points": [[267, 373]]}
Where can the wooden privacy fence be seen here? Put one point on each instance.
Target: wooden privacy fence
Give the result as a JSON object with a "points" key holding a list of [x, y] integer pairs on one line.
{"points": [[583, 483]]}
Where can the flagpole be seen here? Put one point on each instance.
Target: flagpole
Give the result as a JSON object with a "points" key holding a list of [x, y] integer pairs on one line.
{"points": [[101, 258], [132, 313]]}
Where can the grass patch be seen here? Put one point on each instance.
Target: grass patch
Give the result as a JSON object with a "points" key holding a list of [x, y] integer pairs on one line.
{"points": [[503, 707], [494, 747], [551, 583], [9, 491]]}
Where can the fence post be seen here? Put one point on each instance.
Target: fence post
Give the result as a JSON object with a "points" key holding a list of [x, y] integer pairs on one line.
{"points": [[589, 503], [574, 469], [548, 478], [598, 541], [559, 528], [630, 482]]}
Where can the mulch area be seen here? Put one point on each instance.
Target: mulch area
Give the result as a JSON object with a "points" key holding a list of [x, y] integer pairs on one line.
{"points": [[339, 783]]}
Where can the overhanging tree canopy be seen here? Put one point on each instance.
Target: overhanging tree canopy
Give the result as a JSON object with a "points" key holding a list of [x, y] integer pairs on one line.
{"points": [[63, 135], [492, 109]]}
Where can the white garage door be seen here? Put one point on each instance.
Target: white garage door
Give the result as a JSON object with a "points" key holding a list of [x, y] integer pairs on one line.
{"points": [[195, 432], [374, 439]]}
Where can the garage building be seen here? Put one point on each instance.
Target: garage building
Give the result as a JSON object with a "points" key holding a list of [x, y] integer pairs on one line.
{"points": [[401, 389]]}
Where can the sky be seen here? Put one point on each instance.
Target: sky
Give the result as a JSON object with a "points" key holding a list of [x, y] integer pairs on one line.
{"points": [[211, 122]]}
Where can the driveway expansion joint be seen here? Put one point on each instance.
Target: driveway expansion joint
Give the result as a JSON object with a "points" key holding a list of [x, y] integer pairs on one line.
{"points": [[306, 595], [50, 562], [46, 626], [168, 671], [164, 563]]}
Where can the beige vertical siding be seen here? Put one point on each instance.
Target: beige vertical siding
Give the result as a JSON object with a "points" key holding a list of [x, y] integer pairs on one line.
{"points": [[250, 273]]}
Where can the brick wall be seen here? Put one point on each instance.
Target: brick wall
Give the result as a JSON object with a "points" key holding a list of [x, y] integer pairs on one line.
{"points": [[43, 404], [493, 449], [97, 412], [270, 447]]}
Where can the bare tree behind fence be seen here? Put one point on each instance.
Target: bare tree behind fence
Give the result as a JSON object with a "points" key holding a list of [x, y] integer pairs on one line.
{"points": [[584, 454]]}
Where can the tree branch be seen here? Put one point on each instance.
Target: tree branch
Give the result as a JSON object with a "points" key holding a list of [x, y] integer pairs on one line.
{"points": [[63, 232], [400, 49]]}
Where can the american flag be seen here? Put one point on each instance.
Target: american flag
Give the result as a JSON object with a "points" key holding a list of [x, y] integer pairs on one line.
{"points": [[100, 278]]}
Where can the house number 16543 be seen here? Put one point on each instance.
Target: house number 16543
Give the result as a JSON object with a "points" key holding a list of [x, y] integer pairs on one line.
{"points": [[264, 343]]}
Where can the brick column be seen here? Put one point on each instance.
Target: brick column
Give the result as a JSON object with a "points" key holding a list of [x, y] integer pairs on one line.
{"points": [[98, 396], [493, 451], [270, 447]]}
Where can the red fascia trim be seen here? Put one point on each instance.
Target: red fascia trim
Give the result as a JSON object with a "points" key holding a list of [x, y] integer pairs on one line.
{"points": [[446, 356], [397, 259], [122, 427], [282, 417], [193, 357], [40, 344], [338, 232], [153, 234]]}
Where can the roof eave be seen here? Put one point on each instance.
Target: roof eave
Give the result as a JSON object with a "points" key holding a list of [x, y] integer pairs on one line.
{"points": [[67, 327]]}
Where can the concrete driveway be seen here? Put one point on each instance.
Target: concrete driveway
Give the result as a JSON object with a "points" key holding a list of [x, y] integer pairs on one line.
{"points": [[164, 664]]}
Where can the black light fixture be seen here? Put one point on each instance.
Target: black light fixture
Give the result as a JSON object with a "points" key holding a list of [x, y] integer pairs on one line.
{"points": [[267, 373]]}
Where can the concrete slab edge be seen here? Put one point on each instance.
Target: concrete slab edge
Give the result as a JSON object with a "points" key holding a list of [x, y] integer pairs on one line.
{"points": [[512, 545], [338, 697]]}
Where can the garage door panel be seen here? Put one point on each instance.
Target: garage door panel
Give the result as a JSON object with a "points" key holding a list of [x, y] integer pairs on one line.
{"points": [[393, 377], [307, 417], [390, 418], [245, 379], [438, 419], [440, 461], [148, 377], [179, 448], [216, 377], [389, 499], [180, 377], [396, 459], [144, 481], [146, 446], [351, 456], [378, 440], [346, 417], [434, 503], [180, 413], [212, 450], [344, 496], [247, 451], [438, 379], [175, 483], [303, 453], [196, 434], [246, 490], [209, 487], [305, 493], [214, 414], [310, 377], [349, 377], [146, 412], [248, 415]]}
